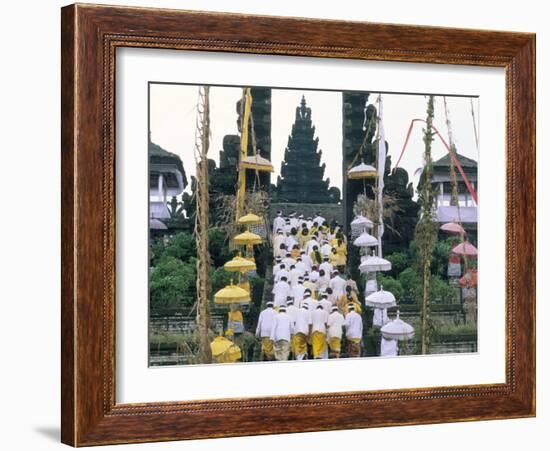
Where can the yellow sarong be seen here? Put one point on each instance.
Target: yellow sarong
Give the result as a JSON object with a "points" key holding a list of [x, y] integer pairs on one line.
{"points": [[267, 347], [318, 343], [335, 344], [299, 344]]}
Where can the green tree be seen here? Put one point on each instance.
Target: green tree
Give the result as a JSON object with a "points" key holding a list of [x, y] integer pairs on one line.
{"points": [[182, 246], [411, 284], [441, 292], [218, 247], [172, 283], [219, 278], [399, 262], [392, 285]]}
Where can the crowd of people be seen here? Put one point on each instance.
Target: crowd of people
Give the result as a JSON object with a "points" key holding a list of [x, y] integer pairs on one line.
{"points": [[315, 306]]}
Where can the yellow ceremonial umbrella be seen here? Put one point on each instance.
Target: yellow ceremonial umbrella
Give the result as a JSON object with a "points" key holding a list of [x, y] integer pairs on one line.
{"points": [[362, 171], [247, 238], [224, 350], [240, 264], [257, 163], [231, 294], [249, 219]]}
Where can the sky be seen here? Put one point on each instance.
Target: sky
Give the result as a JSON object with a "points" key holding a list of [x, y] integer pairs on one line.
{"points": [[173, 115]]}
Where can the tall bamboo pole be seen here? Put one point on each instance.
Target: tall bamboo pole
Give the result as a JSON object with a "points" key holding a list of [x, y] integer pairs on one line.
{"points": [[452, 150], [241, 181], [426, 230], [202, 143]]}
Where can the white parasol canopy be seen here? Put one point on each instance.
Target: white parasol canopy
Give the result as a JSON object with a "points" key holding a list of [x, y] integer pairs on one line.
{"points": [[380, 299], [397, 330], [362, 171], [361, 221], [365, 240], [374, 263]]}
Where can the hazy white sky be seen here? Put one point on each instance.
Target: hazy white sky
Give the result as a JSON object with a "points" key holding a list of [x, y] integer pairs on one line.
{"points": [[173, 115]]}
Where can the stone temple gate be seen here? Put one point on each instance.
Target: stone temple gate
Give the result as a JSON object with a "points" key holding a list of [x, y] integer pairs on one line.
{"points": [[302, 183]]}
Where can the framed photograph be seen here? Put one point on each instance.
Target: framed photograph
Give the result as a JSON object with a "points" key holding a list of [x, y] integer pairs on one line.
{"points": [[278, 225]]}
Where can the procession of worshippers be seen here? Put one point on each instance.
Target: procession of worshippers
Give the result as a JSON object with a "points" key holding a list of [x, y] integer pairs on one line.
{"points": [[313, 307]]}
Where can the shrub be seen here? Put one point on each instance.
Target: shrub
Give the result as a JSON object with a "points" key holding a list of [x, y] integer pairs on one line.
{"points": [[411, 284], [172, 283], [399, 262], [392, 285], [441, 291]]}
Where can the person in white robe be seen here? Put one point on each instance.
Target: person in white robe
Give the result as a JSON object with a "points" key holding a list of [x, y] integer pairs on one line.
{"points": [[309, 222], [302, 330], [264, 328], [326, 266], [354, 332], [301, 221], [295, 274], [278, 222], [287, 228], [326, 249], [331, 297], [292, 312], [293, 220], [319, 318], [338, 284], [290, 240], [281, 271], [325, 303], [388, 348], [280, 334], [319, 219], [322, 282], [314, 274], [281, 251], [301, 266], [306, 260], [309, 300], [278, 239], [281, 290], [311, 244], [297, 292], [335, 326], [288, 260]]}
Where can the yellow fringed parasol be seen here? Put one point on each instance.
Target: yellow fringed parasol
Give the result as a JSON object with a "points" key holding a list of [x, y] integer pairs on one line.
{"points": [[240, 264], [232, 294], [224, 350], [249, 219], [247, 237]]}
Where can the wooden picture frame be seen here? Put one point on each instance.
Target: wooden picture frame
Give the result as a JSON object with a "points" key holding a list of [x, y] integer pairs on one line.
{"points": [[90, 36]]}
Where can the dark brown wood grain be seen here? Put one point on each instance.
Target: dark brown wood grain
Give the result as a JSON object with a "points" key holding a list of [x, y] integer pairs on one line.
{"points": [[90, 36]]}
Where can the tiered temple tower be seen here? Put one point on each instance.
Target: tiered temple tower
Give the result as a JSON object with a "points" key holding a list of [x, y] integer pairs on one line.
{"points": [[301, 179]]}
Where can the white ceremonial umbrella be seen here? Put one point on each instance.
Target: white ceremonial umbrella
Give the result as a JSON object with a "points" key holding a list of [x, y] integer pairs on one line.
{"points": [[372, 263], [380, 299], [361, 221], [365, 240], [362, 171], [359, 225], [397, 330]]}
